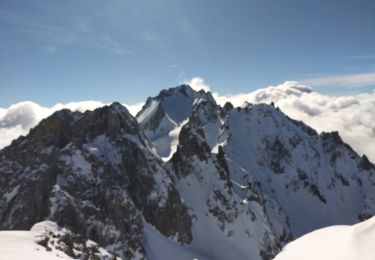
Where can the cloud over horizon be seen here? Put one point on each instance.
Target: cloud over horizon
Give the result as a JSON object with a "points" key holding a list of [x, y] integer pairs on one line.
{"points": [[19, 118], [352, 116]]}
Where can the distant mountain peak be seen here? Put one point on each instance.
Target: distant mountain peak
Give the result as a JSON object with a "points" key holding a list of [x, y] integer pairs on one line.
{"points": [[166, 113], [186, 90]]}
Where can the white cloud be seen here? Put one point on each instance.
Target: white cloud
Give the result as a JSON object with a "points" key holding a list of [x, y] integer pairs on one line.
{"points": [[348, 81], [17, 119], [134, 108], [353, 116], [289, 88], [197, 84], [11, 133]]}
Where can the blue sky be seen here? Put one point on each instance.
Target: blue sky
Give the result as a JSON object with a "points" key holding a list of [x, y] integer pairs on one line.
{"points": [[60, 51]]}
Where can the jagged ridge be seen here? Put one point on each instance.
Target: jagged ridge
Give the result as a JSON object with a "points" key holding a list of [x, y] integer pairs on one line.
{"points": [[237, 183], [94, 173]]}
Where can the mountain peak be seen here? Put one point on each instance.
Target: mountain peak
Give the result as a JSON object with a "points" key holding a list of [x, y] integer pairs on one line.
{"points": [[162, 116], [65, 125], [95, 174], [185, 90], [118, 107]]}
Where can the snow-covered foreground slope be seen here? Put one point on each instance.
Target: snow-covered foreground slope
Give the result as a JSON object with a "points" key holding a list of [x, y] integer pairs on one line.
{"points": [[355, 242], [18, 245], [46, 241]]}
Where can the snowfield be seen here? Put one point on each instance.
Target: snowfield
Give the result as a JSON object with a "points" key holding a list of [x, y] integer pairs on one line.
{"points": [[19, 245], [336, 242], [22, 245]]}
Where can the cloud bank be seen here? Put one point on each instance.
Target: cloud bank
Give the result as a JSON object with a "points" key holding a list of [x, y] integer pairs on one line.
{"points": [[17, 119], [353, 116]]}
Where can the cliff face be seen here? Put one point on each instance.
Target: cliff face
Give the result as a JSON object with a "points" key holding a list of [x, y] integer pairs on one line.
{"points": [[96, 174], [185, 178]]}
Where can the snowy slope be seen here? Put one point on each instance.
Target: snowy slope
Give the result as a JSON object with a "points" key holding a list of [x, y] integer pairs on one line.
{"points": [[19, 245], [336, 242], [255, 171], [297, 167], [317, 180], [46, 241], [231, 218]]}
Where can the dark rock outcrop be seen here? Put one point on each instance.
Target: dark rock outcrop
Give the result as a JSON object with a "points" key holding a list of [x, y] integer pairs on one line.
{"points": [[94, 173]]}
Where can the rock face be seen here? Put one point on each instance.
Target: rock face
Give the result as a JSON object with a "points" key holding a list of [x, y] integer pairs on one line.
{"points": [[94, 173], [186, 178]]}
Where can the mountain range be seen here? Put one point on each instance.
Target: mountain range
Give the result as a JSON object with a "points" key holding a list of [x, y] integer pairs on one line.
{"points": [[185, 178]]}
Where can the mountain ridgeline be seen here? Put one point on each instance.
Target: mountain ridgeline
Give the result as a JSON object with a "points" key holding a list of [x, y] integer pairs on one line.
{"points": [[185, 178]]}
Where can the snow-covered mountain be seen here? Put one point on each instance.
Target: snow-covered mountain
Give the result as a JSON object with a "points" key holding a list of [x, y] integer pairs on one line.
{"points": [[162, 117], [185, 178], [290, 162], [336, 242], [94, 173]]}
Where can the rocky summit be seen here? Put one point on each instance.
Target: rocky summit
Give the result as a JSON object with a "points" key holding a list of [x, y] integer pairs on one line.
{"points": [[184, 179]]}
